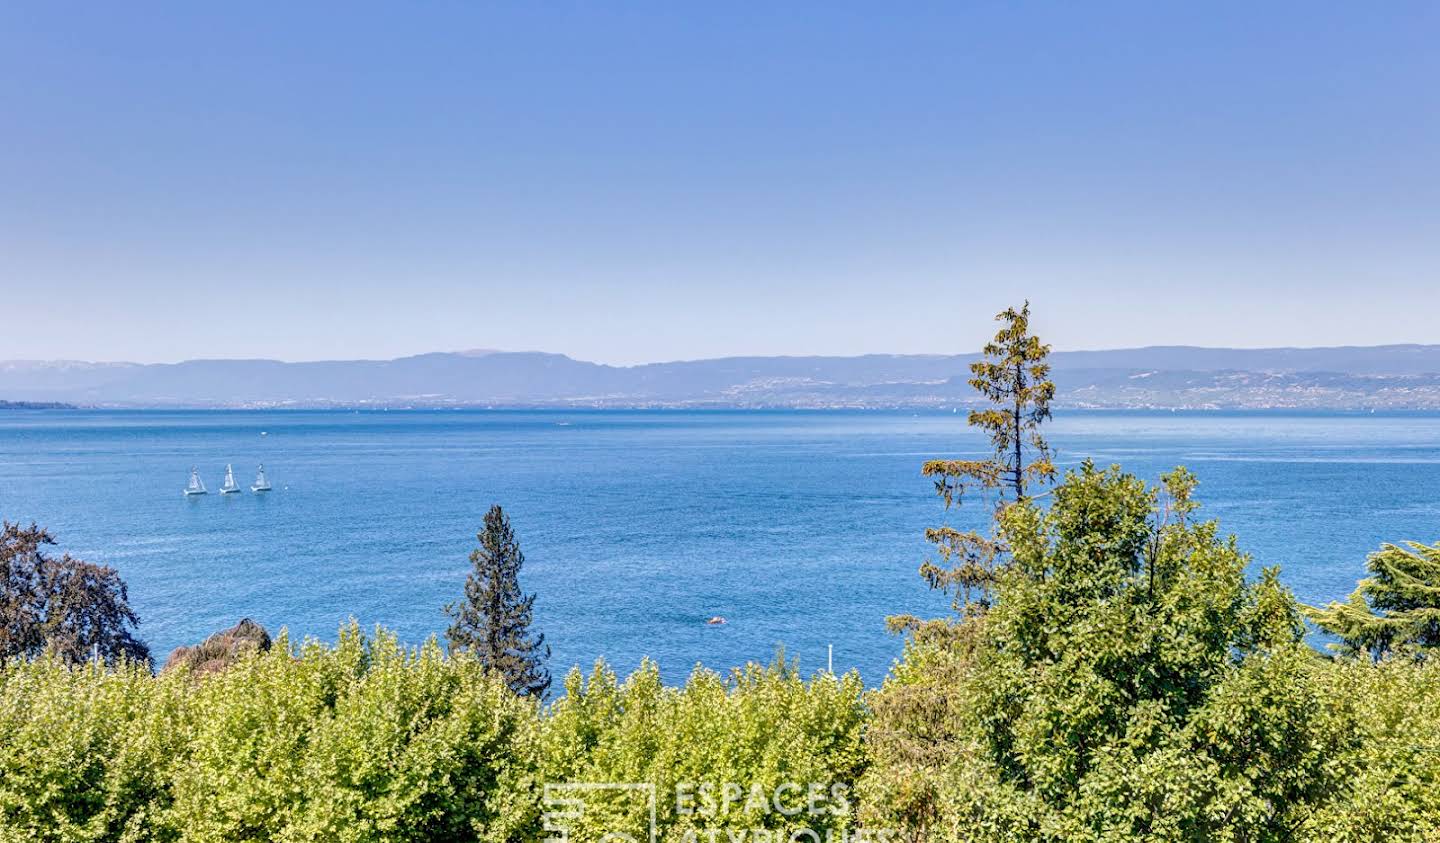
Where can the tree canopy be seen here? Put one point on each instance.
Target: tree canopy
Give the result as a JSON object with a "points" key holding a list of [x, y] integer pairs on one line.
{"points": [[493, 621], [1394, 610], [1013, 378], [66, 606], [1127, 683]]}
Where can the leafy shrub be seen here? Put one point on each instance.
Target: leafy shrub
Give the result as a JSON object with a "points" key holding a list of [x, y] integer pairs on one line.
{"points": [[363, 741], [86, 752], [1392, 772], [367, 740], [735, 752]]}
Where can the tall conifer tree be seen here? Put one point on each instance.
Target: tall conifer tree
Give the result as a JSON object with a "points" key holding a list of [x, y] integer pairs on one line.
{"points": [[1014, 378], [493, 621]]}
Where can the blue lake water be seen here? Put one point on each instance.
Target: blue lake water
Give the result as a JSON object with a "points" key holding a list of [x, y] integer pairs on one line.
{"points": [[801, 528]]}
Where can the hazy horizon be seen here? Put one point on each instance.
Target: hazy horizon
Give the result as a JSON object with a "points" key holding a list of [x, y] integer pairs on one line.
{"points": [[668, 182], [487, 351]]}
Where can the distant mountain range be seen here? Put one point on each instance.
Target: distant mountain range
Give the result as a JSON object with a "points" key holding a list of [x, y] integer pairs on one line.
{"points": [[1391, 377]]}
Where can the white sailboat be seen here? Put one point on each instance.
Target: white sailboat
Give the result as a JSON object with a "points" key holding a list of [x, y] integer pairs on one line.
{"points": [[230, 487], [262, 484], [195, 487]]}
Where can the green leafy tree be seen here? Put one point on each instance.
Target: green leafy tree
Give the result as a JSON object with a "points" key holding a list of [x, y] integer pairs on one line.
{"points": [[1128, 683], [1395, 609], [1014, 378], [65, 606], [493, 621]]}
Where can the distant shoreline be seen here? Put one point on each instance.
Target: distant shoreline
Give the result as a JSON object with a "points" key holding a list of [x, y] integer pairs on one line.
{"points": [[36, 405], [559, 411]]}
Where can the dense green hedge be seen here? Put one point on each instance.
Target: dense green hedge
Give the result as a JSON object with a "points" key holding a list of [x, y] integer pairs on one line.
{"points": [[369, 741], [762, 729]]}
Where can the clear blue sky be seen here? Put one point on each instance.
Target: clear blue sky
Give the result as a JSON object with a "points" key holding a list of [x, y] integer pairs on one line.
{"points": [[629, 182]]}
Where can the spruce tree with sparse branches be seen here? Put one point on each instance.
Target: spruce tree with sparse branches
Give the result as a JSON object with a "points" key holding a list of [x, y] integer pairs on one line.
{"points": [[493, 621], [1014, 378]]}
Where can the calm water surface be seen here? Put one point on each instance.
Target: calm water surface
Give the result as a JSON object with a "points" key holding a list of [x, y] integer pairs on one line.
{"points": [[800, 528]]}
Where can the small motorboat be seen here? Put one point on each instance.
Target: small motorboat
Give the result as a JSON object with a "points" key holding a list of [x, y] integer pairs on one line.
{"points": [[715, 621]]}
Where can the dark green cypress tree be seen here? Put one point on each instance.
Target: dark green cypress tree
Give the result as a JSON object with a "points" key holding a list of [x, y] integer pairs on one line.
{"points": [[493, 621]]}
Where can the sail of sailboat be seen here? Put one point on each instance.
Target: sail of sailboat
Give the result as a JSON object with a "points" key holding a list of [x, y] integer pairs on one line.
{"points": [[195, 487], [262, 484], [230, 486]]}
